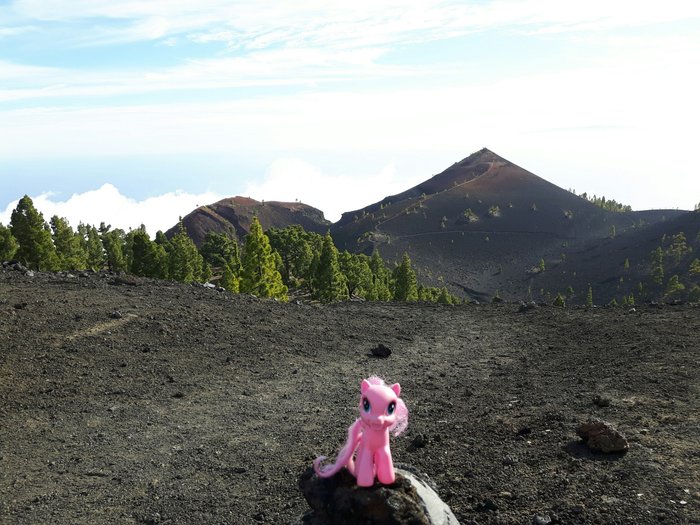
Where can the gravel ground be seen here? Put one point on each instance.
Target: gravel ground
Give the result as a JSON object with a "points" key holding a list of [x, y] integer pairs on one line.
{"points": [[127, 400]]}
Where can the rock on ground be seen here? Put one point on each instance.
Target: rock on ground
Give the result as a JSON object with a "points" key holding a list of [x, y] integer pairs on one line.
{"points": [[602, 437], [410, 500]]}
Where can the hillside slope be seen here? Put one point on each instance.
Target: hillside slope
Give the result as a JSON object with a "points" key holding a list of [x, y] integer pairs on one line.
{"points": [[481, 226], [237, 212], [615, 267]]}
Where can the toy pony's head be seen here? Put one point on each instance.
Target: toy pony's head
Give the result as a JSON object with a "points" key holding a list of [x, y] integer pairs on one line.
{"points": [[381, 407]]}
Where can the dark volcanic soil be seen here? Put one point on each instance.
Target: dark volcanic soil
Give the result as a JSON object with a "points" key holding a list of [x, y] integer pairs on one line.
{"points": [[152, 402]]}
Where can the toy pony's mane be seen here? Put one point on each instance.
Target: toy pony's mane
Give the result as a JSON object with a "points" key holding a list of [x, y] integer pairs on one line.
{"points": [[401, 411]]}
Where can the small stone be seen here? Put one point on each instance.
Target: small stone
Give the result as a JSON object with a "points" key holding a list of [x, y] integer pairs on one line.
{"points": [[488, 505], [541, 520], [601, 401], [116, 314], [381, 351], [19, 267], [524, 431], [602, 437], [526, 307], [420, 441]]}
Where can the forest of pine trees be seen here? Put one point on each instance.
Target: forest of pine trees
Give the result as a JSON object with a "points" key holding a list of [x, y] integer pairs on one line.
{"points": [[265, 264], [606, 204]]}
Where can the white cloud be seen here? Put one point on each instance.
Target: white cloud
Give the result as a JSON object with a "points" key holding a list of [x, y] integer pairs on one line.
{"points": [[294, 179], [286, 179], [340, 24], [16, 30], [107, 204]]}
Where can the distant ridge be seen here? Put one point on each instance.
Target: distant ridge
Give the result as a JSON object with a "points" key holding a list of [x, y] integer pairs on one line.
{"points": [[237, 212]]}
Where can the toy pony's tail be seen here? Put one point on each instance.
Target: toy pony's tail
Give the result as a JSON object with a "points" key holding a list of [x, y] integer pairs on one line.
{"points": [[344, 456]]}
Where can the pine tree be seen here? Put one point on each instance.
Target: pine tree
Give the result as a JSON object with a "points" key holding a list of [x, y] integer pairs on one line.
{"points": [[542, 266], [259, 275], [36, 249], [296, 247], [679, 247], [114, 244], [149, 259], [330, 283], [694, 294], [69, 248], [381, 279], [219, 249], [694, 267], [657, 266], [206, 272], [589, 297], [559, 300], [95, 250], [674, 286], [185, 263], [230, 280], [357, 273], [162, 240], [445, 297], [8, 244], [405, 281]]}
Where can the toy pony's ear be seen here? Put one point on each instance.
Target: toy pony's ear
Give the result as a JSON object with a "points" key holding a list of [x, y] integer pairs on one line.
{"points": [[364, 386], [396, 388]]}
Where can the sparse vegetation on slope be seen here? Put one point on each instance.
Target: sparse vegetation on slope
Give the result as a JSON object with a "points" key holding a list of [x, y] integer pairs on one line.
{"points": [[606, 204]]}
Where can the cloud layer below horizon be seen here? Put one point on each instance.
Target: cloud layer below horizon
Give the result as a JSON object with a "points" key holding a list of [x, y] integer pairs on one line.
{"points": [[286, 180]]}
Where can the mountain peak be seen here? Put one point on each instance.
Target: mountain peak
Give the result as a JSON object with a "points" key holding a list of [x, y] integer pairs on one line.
{"points": [[483, 155]]}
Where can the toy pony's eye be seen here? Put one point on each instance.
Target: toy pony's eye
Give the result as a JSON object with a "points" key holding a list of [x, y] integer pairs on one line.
{"points": [[365, 405], [390, 409]]}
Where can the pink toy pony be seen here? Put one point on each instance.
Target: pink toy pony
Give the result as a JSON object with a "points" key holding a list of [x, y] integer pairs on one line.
{"points": [[381, 411]]}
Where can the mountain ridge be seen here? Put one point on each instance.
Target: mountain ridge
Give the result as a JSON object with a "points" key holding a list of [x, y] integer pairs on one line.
{"points": [[480, 227], [236, 213]]}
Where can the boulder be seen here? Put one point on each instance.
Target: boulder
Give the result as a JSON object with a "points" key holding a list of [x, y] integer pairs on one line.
{"points": [[602, 437], [410, 500]]}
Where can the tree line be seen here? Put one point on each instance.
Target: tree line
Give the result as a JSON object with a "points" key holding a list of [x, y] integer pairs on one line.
{"points": [[606, 204], [265, 264]]}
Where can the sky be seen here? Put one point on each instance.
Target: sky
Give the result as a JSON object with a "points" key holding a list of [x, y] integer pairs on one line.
{"points": [[136, 111]]}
